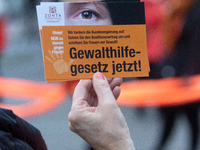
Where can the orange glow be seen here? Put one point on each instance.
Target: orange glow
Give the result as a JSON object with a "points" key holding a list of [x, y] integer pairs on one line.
{"points": [[41, 97], [161, 92]]}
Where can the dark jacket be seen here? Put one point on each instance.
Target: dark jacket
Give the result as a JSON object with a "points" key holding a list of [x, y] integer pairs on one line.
{"points": [[17, 134]]}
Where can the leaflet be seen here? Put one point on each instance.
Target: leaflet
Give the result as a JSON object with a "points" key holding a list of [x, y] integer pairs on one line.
{"points": [[80, 38]]}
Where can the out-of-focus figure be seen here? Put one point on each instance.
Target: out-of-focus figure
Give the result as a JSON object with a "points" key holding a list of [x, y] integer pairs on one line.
{"points": [[181, 32], [3, 34], [3, 25]]}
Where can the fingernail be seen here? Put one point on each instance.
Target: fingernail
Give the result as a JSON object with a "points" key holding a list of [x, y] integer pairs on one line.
{"points": [[99, 75]]}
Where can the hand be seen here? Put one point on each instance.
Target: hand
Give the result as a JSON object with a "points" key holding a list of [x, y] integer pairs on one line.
{"points": [[96, 117]]}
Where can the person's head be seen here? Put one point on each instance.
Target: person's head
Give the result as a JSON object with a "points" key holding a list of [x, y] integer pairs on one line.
{"points": [[87, 13]]}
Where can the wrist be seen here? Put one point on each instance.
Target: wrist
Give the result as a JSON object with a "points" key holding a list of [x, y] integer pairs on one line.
{"points": [[123, 144]]}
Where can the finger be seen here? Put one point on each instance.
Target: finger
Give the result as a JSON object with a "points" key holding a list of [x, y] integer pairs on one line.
{"points": [[81, 91], [115, 82], [116, 92], [102, 89], [71, 126], [109, 80]]}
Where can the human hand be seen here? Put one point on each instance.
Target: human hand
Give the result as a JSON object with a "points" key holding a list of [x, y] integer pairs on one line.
{"points": [[96, 117]]}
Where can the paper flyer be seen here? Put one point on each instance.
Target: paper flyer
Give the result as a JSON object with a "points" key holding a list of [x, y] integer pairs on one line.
{"points": [[80, 38]]}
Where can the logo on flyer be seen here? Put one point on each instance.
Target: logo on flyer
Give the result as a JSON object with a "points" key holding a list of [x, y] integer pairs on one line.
{"points": [[52, 9], [53, 16]]}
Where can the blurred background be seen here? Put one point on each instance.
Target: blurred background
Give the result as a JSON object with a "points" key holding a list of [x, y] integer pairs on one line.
{"points": [[162, 111]]}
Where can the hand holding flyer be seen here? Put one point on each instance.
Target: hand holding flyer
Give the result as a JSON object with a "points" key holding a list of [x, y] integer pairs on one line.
{"points": [[81, 38]]}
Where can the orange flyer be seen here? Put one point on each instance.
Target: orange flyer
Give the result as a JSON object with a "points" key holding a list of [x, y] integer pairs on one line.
{"points": [[81, 38]]}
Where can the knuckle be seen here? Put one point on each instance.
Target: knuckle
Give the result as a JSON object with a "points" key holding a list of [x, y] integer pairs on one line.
{"points": [[72, 119], [71, 127], [73, 122]]}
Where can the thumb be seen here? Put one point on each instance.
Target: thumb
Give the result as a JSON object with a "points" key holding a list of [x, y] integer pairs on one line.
{"points": [[102, 89]]}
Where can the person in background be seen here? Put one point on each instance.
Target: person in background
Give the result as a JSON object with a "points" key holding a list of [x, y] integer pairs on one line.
{"points": [[3, 38], [182, 36]]}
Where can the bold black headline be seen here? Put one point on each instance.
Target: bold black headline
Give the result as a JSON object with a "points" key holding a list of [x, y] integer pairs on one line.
{"points": [[105, 52]]}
